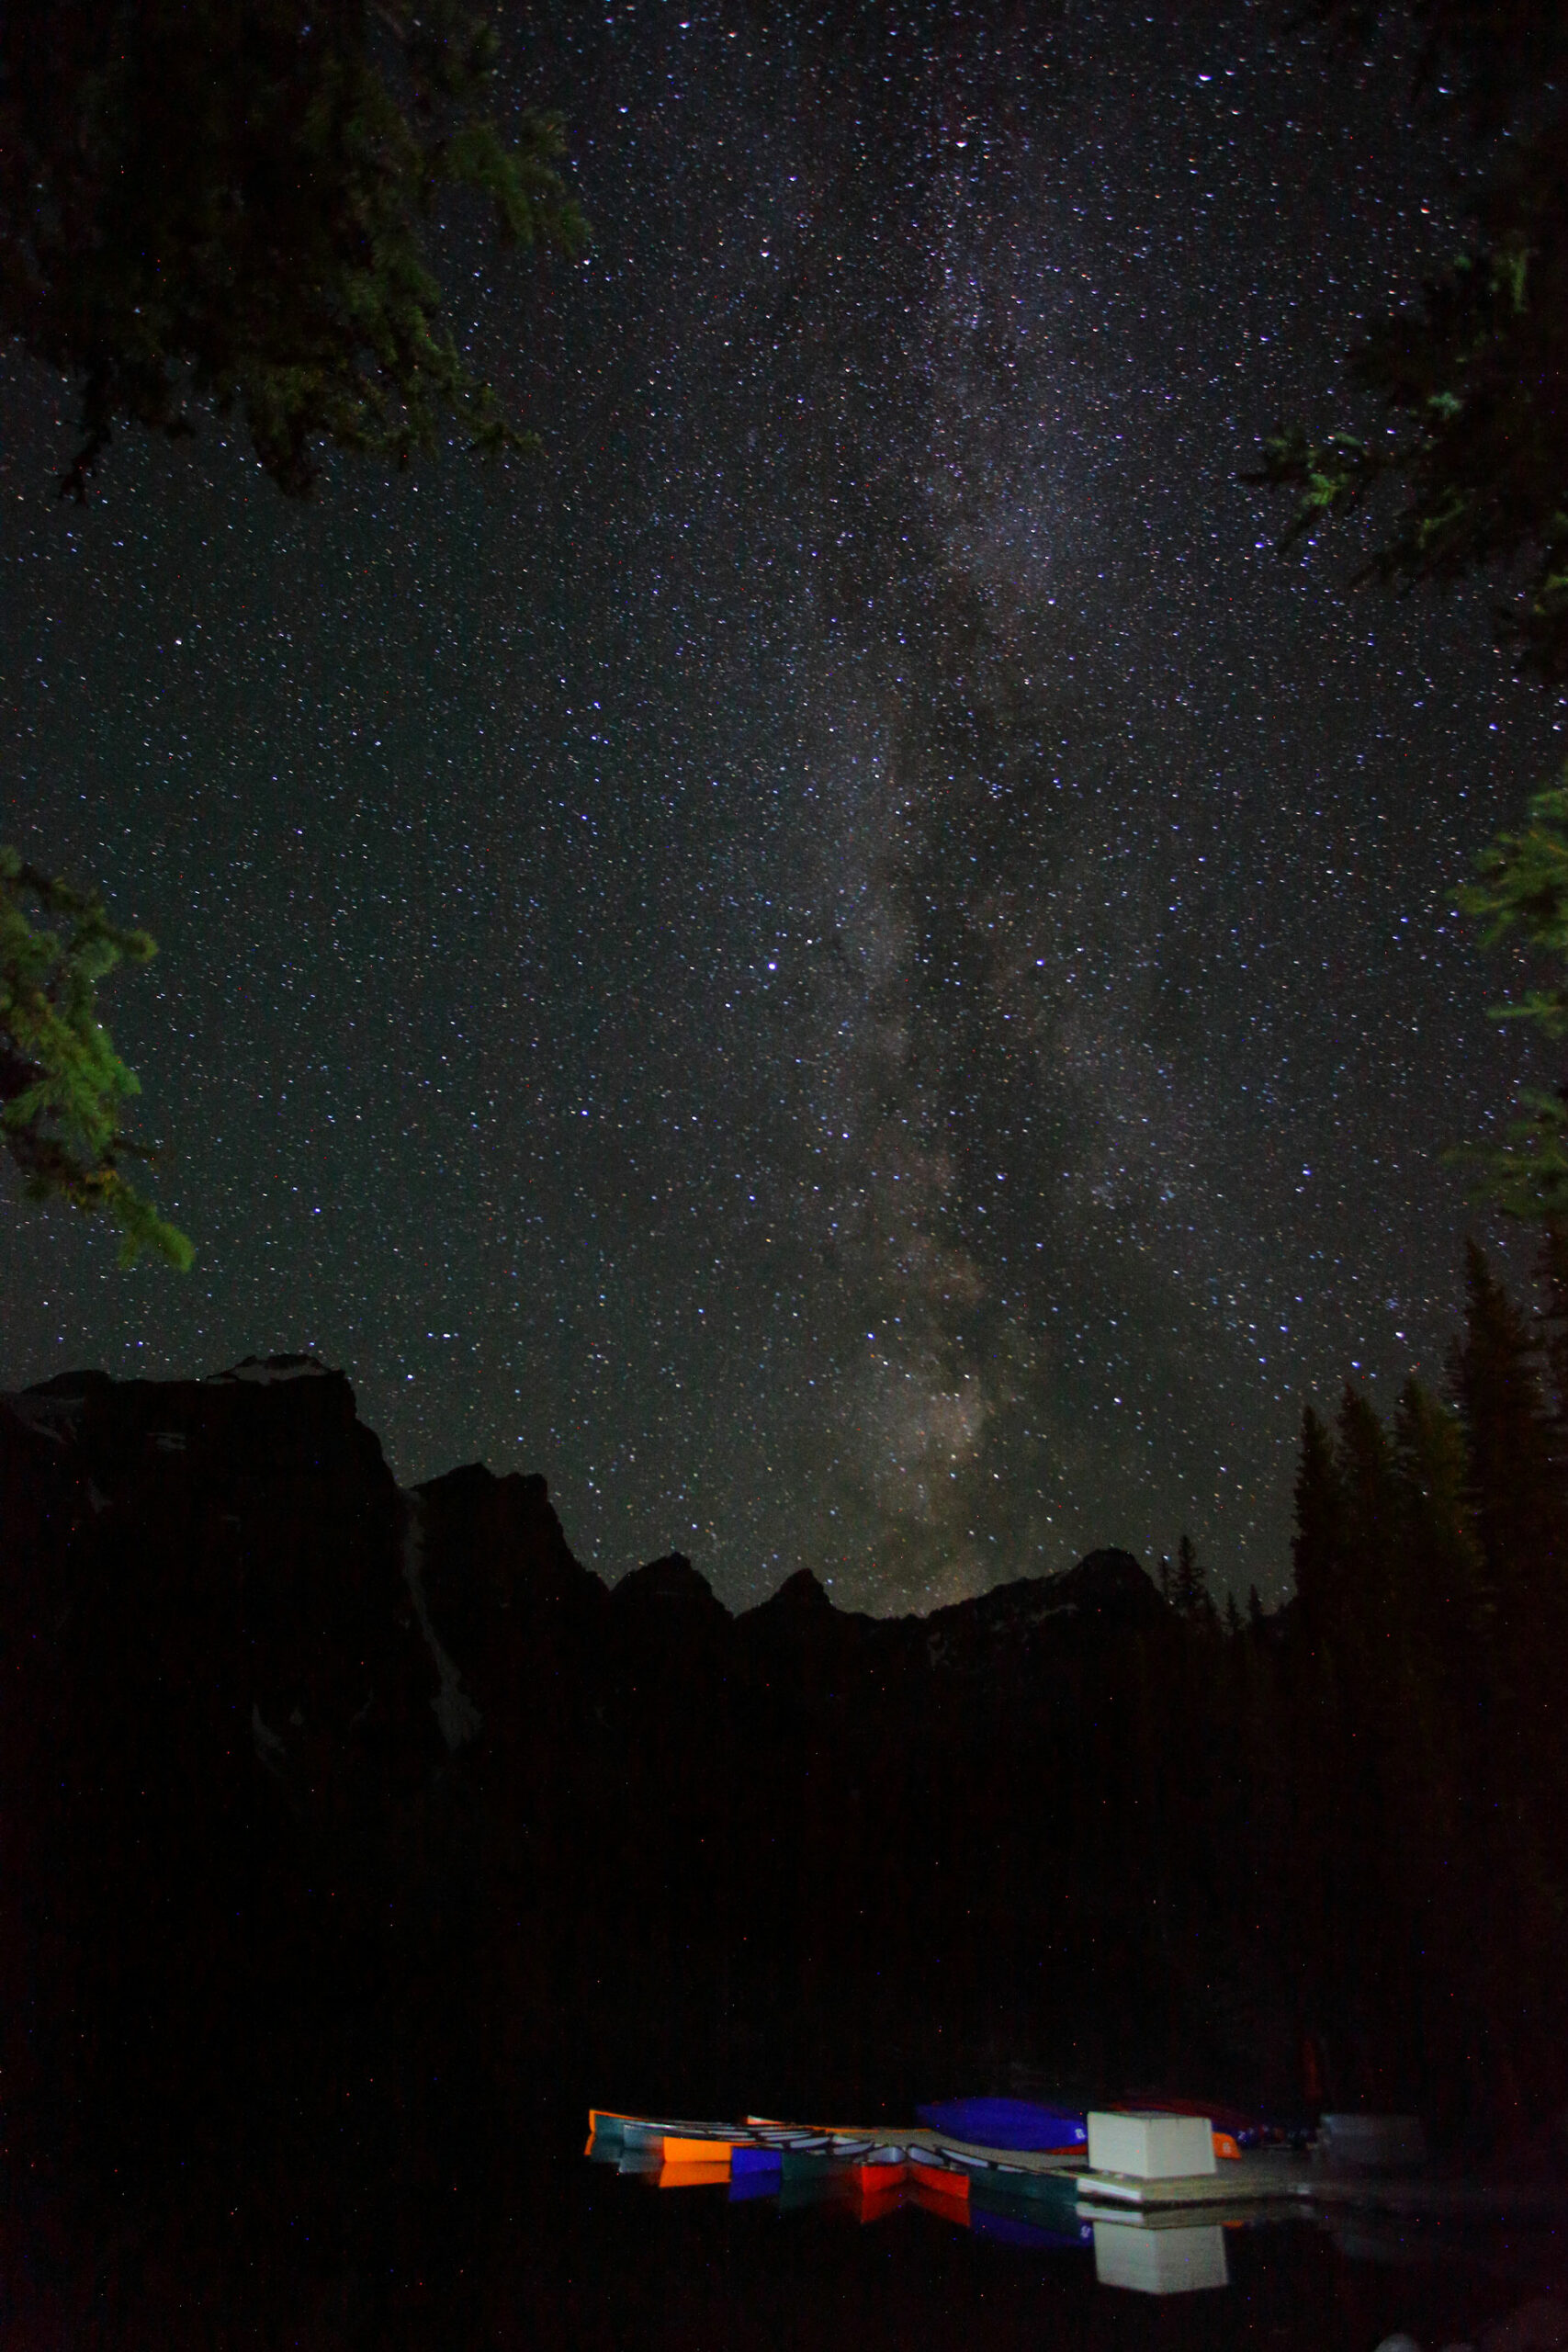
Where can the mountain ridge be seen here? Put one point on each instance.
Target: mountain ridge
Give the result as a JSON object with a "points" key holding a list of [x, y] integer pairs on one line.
{"points": [[406, 1806]]}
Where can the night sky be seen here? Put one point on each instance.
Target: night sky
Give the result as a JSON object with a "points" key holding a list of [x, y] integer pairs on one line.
{"points": [[849, 963]]}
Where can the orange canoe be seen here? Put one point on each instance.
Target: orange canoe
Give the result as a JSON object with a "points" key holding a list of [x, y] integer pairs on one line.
{"points": [[677, 2151]]}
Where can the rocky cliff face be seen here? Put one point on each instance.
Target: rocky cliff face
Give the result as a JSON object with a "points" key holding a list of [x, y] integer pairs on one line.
{"points": [[238, 1545], [217, 1730]]}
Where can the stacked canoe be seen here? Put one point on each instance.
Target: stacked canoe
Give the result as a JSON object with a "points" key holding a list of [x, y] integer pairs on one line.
{"points": [[1026, 2196]]}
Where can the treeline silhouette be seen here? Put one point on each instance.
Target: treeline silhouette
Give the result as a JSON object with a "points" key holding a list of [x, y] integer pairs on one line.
{"points": [[354, 1840], [1307, 1859], [1423, 1675]]}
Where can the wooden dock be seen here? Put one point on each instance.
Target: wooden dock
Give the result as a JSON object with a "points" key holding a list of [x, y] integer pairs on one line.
{"points": [[1264, 2179], [1259, 2177]]}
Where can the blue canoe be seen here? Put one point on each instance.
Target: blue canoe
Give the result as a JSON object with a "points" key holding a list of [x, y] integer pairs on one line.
{"points": [[1008, 2123]]}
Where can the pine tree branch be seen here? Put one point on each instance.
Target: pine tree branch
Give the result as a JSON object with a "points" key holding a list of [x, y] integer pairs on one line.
{"points": [[62, 1085]]}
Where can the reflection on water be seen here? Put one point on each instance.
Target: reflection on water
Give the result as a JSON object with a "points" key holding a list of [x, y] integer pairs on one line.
{"points": [[518, 2244], [814, 2258], [1160, 2261], [1151, 2256]]}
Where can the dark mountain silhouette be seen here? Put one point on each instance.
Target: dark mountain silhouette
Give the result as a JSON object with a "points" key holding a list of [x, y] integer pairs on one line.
{"points": [[354, 1837], [276, 1729]]}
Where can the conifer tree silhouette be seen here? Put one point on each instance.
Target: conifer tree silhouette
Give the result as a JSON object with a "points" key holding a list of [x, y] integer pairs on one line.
{"points": [[62, 1085]]}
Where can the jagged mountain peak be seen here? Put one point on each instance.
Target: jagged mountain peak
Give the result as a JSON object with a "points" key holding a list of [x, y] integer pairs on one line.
{"points": [[69, 1384], [801, 1595], [265, 1371], [1106, 1587], [472, 1485], [668, 1583], [1108, 1581]]}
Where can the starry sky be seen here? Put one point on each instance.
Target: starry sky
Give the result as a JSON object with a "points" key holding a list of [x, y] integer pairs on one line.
{"points": [[849, 963]]}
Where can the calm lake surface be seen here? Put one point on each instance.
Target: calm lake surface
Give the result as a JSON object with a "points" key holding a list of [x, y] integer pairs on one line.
{"points": [[523, 2242], [595, 2258]]}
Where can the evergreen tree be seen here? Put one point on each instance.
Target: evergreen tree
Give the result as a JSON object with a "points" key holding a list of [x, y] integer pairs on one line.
{"points": [[1517, 1499], [1514, 1488], [1523, 894], [1321, 1894], [1423, 1676], [61, 1082], [1514, 1673], [1317, 1546], [1464, 454], [1472, 381], [1552, 1274], [1371, 1524], [1189, 1595], [226, 199], [1438, 1543], [1386, 1787]]}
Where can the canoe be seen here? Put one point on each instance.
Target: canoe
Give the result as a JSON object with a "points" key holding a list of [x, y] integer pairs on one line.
{"points": [[929, 2174], [698, 2149], [766, 2126], [878, 2180], [931, 2191], [1019, 2123], [876, 2205], [825, 2186], [817, 2163], [752, 2186], [803, 2147], [1013, 2229], [1029, 2192], [683, 2141], [639, 2131], [604, 2124]]}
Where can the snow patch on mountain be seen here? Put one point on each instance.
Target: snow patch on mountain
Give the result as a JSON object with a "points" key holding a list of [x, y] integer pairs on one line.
{"points": [[265, 1373], [455, 1712], [268, 1745], [51, 1417]]}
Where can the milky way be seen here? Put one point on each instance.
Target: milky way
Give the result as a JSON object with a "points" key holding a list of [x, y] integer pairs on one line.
{"points": [[849, 964]]}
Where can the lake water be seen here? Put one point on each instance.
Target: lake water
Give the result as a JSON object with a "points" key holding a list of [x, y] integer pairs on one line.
{"points": [[525, 2245], [597, 2259]]}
